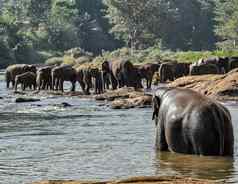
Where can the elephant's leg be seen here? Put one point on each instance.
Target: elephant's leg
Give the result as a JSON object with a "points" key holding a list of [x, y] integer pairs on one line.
{"points": [[114, 83], [61, 85], [23, 87], [50, 84], [15, 86], [13, 83], [8, 83], [160, 143], [82, 85], [73, 86], [57, 84]]}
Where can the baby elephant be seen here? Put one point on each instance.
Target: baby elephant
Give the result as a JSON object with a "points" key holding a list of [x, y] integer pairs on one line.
{"points": [[188, 122], [27, 79]]}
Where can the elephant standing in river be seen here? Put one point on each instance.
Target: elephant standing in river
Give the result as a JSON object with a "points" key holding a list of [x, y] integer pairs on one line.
{"points": [[97, 76], [147, 72], [27, 79], [43, 79], [63, 73], [188, 122], [13, 70], [122, 73]]}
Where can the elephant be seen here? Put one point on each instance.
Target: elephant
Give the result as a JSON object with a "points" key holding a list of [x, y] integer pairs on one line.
{"points": [[80, 79], [97, 75], [122, 73], [166, 72], [63, 73], [233, 63], [13, 70], [222, 63], [190, 123], [147, 72], [107, 70], [203, 69], [43, 79], [27, 79], [106, 80], [181, 69], [86, 75]]}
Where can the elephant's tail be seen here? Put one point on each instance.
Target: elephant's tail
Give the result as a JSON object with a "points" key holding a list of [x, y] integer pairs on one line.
{"points": [[220, 127]]}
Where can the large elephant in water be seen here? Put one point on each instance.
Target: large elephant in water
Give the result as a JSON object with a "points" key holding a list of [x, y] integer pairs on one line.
{"points": [[188, 122], [13, 70], [122, 73]]}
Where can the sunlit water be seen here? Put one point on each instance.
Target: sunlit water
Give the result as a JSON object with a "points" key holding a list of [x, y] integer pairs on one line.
{"points": [[42, 141]]}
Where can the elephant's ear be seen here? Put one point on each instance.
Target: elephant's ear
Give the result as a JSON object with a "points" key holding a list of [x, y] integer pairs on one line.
{"points": [[155, 105]]}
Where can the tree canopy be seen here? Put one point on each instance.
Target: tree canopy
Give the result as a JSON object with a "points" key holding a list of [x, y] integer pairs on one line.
{"points": [[30, 26]]}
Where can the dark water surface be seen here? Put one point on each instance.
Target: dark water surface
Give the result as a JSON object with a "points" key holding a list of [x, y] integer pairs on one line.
{"points": [[41, 141]]}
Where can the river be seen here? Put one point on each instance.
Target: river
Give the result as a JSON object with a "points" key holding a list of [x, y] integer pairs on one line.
{"points": [[43, 140]]}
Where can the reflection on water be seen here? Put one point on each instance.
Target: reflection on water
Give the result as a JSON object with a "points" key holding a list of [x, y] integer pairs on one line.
{"points": [[217, 168], [43, 140]]}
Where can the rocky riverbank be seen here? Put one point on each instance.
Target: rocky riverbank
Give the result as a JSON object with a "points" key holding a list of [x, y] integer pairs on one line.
{"points": [[139, 180], [221, 87]]}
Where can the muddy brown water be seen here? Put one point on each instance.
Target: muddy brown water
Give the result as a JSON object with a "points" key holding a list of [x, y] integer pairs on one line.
{"points": [[43, 140]]}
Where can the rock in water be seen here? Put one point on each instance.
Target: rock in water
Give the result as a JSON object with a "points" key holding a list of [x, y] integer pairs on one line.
{"points": [[24, 100]]}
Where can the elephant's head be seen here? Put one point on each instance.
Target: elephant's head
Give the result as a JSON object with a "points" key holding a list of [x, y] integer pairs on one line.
{"points": [[156, 101], [30, 68], [105, 67]]}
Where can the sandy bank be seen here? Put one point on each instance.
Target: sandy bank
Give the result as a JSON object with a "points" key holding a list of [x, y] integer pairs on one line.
{"points": [[221, 87]]}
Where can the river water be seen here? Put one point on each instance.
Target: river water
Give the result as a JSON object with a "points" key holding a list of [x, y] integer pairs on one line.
{"points": [[42, 141]]}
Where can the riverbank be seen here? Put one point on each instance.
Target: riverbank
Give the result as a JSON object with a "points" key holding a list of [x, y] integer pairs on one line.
{"points": [[139, 180], [220, 87]]}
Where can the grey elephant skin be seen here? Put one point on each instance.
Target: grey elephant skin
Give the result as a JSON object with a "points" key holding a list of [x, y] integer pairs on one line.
{"points": [[147, 71], [63, 73], [27, 79], [122, 73], [188, 122], [13, 70]]}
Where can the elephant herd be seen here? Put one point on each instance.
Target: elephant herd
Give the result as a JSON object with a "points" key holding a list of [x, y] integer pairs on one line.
{"points": [[116, 74], [52, 77], [214, 65]]}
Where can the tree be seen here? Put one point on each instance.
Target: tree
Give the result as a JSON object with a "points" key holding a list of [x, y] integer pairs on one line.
{"points": [[227, 27], [131, 19], [183, 25]]}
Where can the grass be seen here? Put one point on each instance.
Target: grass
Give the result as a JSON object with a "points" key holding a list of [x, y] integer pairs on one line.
{"points": [[150, 55]]}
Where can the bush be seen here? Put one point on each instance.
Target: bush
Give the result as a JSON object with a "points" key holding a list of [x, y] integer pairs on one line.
{"points": [[54, 61], [7, 56]]}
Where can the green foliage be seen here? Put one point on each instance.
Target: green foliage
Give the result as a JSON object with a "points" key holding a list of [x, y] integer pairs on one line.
{"points": [[179, 25], [54, 61], [227, 28]]}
